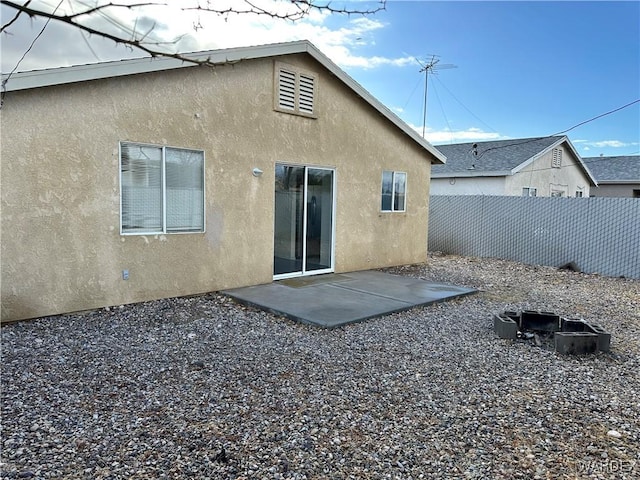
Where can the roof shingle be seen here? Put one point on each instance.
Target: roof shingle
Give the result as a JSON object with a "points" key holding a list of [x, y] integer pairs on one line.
{"points": [[498, 157], [614, 169]]}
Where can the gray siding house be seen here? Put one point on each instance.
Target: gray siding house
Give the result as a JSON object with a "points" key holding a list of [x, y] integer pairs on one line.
{"points": [[544, 167], [616, 176]]}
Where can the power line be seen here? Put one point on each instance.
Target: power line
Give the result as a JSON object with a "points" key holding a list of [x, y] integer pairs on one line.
{"points": [[465, 107], [442, 107], [561, 132], [597, 117], [4, 82], [531, 171], [411, 95]]}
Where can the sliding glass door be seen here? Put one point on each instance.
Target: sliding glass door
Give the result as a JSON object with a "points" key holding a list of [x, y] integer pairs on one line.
{"points": [[303, 229]]}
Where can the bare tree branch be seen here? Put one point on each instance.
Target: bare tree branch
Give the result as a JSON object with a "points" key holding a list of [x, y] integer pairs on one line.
{"points": [[302, 9], [134, 43], [136, 40], [99, 8], [18, 13]]}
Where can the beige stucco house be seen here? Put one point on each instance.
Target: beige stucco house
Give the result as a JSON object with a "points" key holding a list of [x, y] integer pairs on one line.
{"points": [[149, 178], [543, 167]]}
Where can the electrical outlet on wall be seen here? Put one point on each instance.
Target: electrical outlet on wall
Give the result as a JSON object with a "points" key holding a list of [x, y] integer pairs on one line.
{"points": [[125, 274]]}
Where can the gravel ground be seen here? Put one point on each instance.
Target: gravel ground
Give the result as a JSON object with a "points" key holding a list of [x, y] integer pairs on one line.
{"points": [[201, 387]]}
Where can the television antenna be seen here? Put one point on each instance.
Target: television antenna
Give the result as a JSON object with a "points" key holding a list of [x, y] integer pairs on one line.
{"points": [[432, 67]]}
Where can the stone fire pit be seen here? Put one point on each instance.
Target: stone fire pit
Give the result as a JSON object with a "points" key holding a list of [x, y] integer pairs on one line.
{"points": [[568, 336]]}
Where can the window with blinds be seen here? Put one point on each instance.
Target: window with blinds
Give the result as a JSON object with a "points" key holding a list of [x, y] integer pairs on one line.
{"points": [[161, 189], [296, 91]]}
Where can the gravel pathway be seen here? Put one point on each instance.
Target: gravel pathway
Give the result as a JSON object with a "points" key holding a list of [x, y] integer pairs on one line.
{"points": [[202, 387]]}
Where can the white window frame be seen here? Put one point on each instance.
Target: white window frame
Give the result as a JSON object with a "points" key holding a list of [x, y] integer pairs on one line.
{"points": [[164, 229], [558, 190], [298, 93], [529, 192], [394, 207]]}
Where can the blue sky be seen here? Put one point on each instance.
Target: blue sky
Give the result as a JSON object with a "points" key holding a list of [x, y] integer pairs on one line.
{"points": [[522, 69]]}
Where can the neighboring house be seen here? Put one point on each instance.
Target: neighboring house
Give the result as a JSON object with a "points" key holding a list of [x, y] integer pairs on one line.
{"points": [[149, 178], [544, 167], [616, 176]]}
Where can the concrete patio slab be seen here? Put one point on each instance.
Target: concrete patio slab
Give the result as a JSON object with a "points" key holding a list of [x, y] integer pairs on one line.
{"points": [[337, 299]]}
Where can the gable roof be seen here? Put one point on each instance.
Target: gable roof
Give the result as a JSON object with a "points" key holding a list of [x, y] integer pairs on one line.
{"points": [[498, 158], [81, 73], [622, 169]]}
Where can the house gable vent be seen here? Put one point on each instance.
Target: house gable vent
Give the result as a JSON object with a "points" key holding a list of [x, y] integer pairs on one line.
{"points": [[307, 88], [286, 90], [295, 90], [556, 158]]}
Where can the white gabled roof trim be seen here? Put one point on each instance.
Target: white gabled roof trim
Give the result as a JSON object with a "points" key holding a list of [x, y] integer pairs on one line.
{"points": [[81, 73], [561, 140], [472, 173]]}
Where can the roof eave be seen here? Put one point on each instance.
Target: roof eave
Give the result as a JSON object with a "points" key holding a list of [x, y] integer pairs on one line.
{"points": [[386, 112], [131, 66], [530, 160], [469, 174], [79, 73], [583, 165], [619, 182], [562, 139]]}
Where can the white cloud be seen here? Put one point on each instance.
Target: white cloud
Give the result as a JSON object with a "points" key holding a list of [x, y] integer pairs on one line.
{"points": [[195, 29], [587, 145], [612, 144], [457, 136], [337, 44]]}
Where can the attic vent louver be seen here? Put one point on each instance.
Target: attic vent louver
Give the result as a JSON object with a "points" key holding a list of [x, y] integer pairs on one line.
{"points": [[296, 90], [307, 85], [556, 161], [287, 90]]}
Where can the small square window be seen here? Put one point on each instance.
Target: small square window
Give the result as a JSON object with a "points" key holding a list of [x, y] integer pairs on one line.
{"points": [[161, 189], [529, 192], [394, 191]]}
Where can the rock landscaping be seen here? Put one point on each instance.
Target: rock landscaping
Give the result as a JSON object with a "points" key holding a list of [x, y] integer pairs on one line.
{"points": [[202, 387]]}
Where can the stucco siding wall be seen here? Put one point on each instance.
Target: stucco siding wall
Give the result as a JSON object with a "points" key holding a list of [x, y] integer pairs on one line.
{"points": [[61, 246], [604, 190], [468, 186], [539, 174]]}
